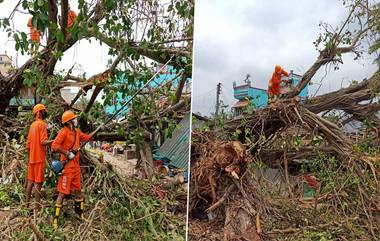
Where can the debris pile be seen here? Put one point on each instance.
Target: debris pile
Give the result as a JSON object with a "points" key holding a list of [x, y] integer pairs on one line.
{"points": [[216, 161], [298, 177]]}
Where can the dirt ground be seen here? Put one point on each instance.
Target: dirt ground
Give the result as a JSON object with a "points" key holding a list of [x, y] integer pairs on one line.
{"points": [[205, 230]]}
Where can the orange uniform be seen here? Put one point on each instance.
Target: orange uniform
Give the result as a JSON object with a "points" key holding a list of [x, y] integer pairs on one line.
{"points": [[275, 81], [35, 35], [71, 17], [67, 139], [37, 151]]}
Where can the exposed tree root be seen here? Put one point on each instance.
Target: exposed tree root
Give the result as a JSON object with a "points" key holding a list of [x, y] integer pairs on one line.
{"points": [[252, 209]]}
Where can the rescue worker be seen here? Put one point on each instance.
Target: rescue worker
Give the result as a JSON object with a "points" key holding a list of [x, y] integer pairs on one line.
{"points": [[67, 143], [36, 146], [35, 37], [71, 18], [275, 82]]}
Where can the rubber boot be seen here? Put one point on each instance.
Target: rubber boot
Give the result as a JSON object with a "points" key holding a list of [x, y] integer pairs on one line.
{"points": [[79, 208], [56, 215]]}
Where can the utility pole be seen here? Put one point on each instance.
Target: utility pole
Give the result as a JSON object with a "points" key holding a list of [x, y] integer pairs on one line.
{"points": [[217, 105]]}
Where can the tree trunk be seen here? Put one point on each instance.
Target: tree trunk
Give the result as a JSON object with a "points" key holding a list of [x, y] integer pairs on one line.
{"points": [[147, 159]]}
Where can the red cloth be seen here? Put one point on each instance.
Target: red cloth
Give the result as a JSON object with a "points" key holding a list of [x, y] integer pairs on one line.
{"points": [[65, 140], [158, 165], [311, 180]]}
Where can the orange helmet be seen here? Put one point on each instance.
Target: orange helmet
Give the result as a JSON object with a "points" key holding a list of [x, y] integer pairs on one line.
{"points": [[277, 68], [38, 108], [68, 116]]}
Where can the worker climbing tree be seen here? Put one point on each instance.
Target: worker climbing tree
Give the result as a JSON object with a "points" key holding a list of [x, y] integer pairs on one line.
{"points": [[71, 17], [35, 37], [274, 88]]}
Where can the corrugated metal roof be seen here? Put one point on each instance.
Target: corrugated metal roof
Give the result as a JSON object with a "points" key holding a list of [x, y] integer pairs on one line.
{"points": [[177, 147]]}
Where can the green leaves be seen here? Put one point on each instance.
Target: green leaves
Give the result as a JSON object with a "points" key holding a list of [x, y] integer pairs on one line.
{"points": [[57, 54], [5, 22], [368, 124], [297, 141], [184, 9], [25, 4], [24, 37], [121, 131], [28, 80], [40, 3], [236, 134], [110, 4], [21, 42], [31, 76], [171, 126], [59, 36]]}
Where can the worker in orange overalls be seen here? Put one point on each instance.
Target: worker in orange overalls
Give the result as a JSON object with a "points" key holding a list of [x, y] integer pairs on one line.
{"points": [[35, 37], [71, 18], [67, 143], [36, 146], [275, 81]]}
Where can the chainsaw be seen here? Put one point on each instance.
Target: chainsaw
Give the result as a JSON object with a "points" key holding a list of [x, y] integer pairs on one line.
{"points": [[58, 166]]}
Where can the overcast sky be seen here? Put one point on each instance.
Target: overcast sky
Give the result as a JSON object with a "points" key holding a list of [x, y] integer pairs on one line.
{"points": [[89, 57], [233, 38]]}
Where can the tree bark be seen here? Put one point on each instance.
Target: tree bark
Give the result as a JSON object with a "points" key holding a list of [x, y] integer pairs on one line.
{"points": [[64, 16], [179, 90], [147, 159], [52, 12]]}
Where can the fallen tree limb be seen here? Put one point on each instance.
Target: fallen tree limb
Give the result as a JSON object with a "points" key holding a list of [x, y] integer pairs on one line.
{"points": [[37, 232], [273, 157]]}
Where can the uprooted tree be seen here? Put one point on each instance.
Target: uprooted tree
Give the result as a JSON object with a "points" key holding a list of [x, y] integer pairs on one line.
{"points": [[298, 137], [141, 36]]}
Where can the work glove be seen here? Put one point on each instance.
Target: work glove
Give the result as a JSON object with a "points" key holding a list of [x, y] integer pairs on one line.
{"points": [[70, 155]]}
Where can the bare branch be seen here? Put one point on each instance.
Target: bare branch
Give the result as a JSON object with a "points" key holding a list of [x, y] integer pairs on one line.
{"points": [[161, 55]]}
